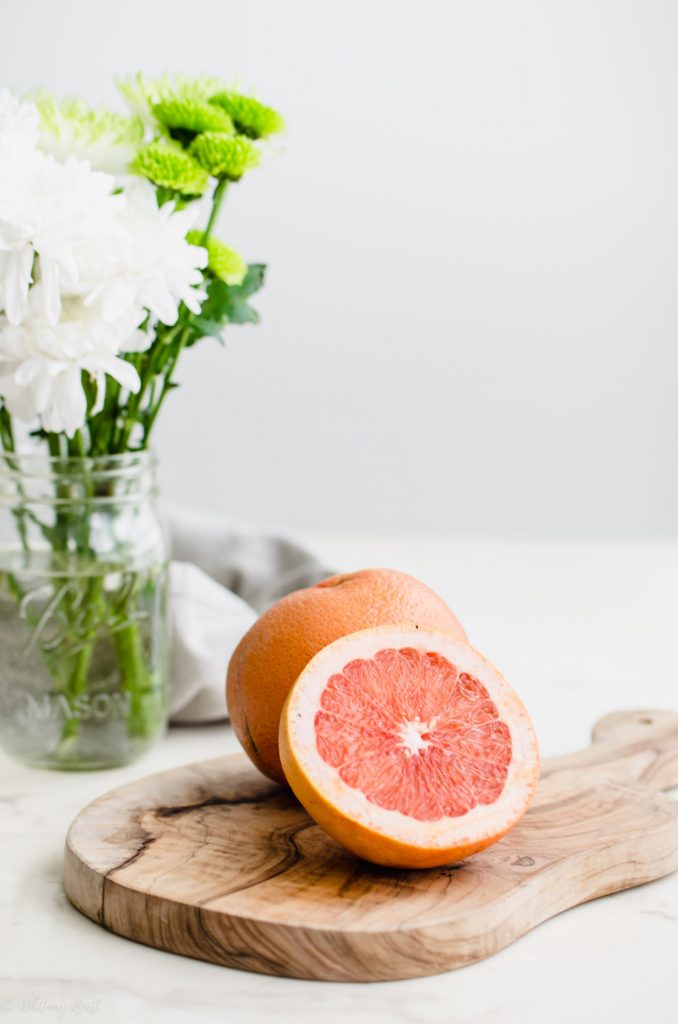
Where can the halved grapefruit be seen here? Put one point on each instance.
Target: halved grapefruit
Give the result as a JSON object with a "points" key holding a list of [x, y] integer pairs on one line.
{"points": [[408, 747]]}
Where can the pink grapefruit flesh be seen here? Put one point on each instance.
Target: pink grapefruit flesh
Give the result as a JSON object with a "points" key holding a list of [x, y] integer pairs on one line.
{"points": [[408, 747]]}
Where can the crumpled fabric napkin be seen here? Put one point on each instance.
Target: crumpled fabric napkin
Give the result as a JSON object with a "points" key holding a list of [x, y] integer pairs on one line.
{"points": [[222, 576]]}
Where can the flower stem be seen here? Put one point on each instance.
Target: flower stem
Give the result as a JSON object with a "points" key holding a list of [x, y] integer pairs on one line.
{"points": [[134, 675], [166, 384], [78, 676], [155, 359], [77, 445], [7, 438], [217, 200]]}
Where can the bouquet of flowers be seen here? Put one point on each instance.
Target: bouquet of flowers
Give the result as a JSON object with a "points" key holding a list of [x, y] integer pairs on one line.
{"points": [[106, 277]]}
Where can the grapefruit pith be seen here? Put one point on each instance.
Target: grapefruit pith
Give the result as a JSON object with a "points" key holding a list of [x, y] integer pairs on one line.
{"points": [[280, 644], [408, 747]]}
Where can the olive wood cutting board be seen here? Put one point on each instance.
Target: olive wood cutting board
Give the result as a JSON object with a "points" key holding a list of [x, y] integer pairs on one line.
{"points": [[214, 861]]}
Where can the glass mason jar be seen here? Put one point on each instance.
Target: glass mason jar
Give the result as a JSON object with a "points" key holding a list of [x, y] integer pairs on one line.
{"points": [[83, 610]]}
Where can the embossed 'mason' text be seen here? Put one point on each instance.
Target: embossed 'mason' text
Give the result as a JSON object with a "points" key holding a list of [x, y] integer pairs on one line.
{"points": [[98, 707]]}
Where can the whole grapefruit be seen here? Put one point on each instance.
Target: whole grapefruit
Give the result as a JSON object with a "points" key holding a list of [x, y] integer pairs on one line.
{"points": [[274, 652]]}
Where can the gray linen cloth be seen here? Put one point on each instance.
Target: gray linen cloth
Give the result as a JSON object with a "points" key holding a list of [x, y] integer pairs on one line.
{"points": [[222, 576]]}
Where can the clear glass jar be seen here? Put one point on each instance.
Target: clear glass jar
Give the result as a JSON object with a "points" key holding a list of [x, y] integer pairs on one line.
{"points": [[83, 610]]}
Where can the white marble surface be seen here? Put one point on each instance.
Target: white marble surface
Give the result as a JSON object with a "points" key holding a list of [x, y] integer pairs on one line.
{"points": [[580, 629]]}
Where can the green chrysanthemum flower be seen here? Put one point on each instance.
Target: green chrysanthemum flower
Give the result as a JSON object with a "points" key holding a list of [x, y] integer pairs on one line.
{"points": [[168, 166], [70, 128], [225, 156], [192, 116], [224, 262], [250, 117], [142, 92]]}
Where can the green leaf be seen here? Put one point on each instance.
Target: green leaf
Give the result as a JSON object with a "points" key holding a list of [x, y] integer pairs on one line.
{"points": [[206, 328], [227, 304], [252, 282]]}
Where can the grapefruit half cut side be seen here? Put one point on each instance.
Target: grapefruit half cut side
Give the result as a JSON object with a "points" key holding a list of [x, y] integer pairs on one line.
{"points": [[408, 747]]}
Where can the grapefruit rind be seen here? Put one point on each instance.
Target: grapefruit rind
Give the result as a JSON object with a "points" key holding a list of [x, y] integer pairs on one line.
{"points": [[388, 836]]}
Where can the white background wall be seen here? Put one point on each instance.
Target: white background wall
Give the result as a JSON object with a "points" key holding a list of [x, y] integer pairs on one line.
{"points": [[471, 316]]}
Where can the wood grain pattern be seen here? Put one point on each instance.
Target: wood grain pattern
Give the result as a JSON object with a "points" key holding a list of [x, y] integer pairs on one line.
{"points": [[214, 861]]}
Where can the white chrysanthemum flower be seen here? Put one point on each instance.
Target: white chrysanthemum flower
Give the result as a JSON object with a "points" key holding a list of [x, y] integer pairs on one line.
{"points": [[18, 126], [47, 210], [69, 127], [41, 363], [81, 269], [150, 266]]}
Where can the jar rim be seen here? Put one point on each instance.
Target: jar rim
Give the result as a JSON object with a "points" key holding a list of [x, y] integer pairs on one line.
{"points": [[140, 456], [27, 464], [36, 453]]}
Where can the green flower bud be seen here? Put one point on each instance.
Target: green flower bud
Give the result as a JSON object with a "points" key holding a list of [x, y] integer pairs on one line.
{"points": [[192, 115], [225, 263], [250, 117], [225, 156], [169, 167]]}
